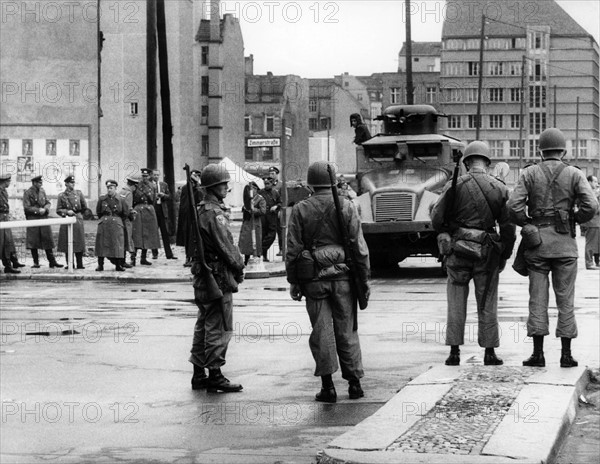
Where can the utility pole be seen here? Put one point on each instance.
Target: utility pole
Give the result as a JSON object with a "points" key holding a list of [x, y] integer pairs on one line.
{"points": [[480, 83], [99, 77], [577, 132], [522, 113], [151, 83], [554, 115], [285, 120], [409, 79], [165, 100]]}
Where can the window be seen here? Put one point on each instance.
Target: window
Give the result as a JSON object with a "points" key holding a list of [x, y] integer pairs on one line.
{"points": [[454, 69], [313, 124], [496, 95], [537, 123], [248, 123], [346, 84], [537, 70], [513, 150], [359, 97], [395, 94], [516, 69], [204, 116], [269, 124], [515, 94], [537, 96], [133, 109], [265, 154], [204, 55], [454, 122], [204, 146], [496, 148], [473, 44], [325, 123], [515, 121], [312, 105], [533, 147], [472, 121], [453, 95], [471, 95], [431, 95], [204, 85], [496, 69], [473, 68], [249, 154], [430, 68], [583, 151], [496, 121]]}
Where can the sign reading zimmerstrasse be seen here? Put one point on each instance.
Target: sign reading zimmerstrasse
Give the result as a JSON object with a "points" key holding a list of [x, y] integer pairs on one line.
{"points": [[275, 142]]}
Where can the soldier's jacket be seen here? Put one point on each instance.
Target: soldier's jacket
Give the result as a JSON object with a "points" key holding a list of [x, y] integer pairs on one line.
{"points": [[74, 201], [110, 238], [144, 194], [7, 244], [220, 251], [314, 226], [33, 200], [272, 198], [472, 209], [533, 200]]}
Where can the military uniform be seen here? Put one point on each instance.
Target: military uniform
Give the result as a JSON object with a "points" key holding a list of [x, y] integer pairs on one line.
{"points": [[592, 237], [110, 238], [145, 225], [185, 234], [72, 201], [7, 244], [534, 201], [330, 300], [214, 326], [480, 204], [270, 219], [245, 241], [126, 195]]}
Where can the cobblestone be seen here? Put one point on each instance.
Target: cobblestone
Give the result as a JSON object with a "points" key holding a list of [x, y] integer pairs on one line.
{"points": [[464, 419]]}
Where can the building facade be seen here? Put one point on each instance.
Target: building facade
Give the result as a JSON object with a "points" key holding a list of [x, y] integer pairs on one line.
{"points": [[535, 75]]}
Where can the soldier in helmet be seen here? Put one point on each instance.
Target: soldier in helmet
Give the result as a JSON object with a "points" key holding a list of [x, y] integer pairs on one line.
{"points": [[214, 326], [472, 215], [314, 233], [543, 201]]}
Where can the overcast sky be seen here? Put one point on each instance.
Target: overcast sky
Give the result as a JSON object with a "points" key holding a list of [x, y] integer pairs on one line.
{"points": [[313, 38]]}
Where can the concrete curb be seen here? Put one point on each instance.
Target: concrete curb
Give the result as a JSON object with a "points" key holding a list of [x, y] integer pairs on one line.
{"points": [[530, 432]]}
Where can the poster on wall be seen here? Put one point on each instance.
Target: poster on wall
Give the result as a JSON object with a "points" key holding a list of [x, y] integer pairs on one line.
{"points": [[74, 147], [3, 147], [27, 147], [24, 168], [50, 147]]}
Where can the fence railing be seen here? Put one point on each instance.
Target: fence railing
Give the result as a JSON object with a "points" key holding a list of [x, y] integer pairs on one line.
{"points": [[69, 221]]}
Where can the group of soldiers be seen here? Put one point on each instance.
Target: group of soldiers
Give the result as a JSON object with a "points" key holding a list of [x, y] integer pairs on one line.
{"points": [[129, 220], [476, 217]]}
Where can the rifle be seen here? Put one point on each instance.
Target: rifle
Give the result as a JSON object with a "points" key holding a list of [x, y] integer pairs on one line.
{"points": [[449, 212], [213, 292], [348, 251]]}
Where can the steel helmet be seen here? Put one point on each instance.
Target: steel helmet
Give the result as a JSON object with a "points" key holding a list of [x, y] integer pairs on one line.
{"points": [[318, 176], [214, 174], [552, 139], [477, 148]]}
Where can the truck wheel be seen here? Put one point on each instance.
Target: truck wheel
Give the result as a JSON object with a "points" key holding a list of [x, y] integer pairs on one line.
{"points": [[383, 261]]}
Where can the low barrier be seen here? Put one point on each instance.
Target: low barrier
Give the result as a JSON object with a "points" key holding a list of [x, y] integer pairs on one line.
{"points": [[47, 222]]}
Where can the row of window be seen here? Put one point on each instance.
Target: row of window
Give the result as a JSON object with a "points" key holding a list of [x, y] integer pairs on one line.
{"points": [[537, 69], [537, 95], [398, 95], [512, 148], [489, 44], [268, 123], [537, 121]]}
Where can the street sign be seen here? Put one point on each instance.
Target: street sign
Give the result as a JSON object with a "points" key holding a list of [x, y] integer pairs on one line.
{"points": [[274, 142]]}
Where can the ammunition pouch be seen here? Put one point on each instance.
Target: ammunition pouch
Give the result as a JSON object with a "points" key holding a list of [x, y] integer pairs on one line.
{"points": [[468, 243], [530, 236], [330, 261], [305, 266]]}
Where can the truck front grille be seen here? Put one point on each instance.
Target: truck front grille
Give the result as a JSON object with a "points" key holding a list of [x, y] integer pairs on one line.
{"points": [[394, 206]]}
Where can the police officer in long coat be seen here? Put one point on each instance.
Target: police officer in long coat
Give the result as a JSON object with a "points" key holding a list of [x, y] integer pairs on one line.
{"points": [[110, 238], [185, 233], [71, 203], [544, 198], [8, 251], [126, 195], [270, 219], [475, 214], [37, 206], [145, 225], [214, 326], [330, 301]]}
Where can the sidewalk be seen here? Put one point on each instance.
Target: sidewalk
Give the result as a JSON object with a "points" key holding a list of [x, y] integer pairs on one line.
{"points": [[468, 414], [161, 270]]}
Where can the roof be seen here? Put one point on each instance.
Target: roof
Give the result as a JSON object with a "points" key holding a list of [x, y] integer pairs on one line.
{"points": [[463, 18], [203, 34], [423, 48]]}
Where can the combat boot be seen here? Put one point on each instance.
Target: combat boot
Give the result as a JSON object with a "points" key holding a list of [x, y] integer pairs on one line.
{"points": [[218, 382], [490, 358], [15, 261], [537, 358], [355, 391], [79, 259], [143, 259], [566, 360], [100, 264], [52, 259], [327, 393], [119, 264], [454, 358], [133, 258], [8, 269], [36, 258], [199, 379]]}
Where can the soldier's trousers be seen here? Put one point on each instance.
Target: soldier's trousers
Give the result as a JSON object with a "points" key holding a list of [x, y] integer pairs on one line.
{"points": [[212, 332], [330, 308], [269, 231], [564, 274], [460, 273]]}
